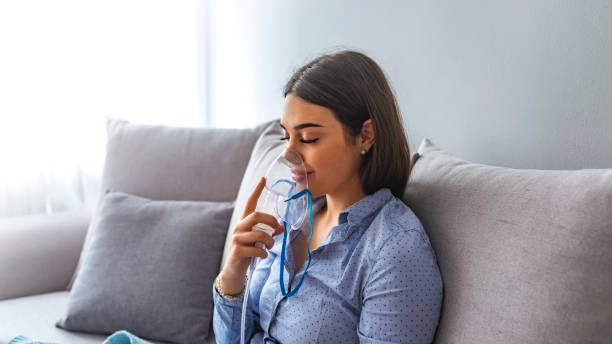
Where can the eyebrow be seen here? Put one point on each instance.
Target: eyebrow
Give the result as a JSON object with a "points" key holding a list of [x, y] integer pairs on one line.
{"points": [[304, 125]]}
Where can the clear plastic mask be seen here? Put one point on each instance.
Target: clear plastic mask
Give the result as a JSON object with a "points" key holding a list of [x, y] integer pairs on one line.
{"points": [[286, 177]]}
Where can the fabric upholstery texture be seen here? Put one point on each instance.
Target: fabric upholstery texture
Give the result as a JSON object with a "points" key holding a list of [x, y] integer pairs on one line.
{"points": [[34, 316], [149, 269], [38, 253], [525, 255], [163, 162]]}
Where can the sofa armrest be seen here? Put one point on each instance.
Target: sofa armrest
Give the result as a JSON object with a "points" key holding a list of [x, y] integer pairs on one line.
{"points": [[38, 253]]}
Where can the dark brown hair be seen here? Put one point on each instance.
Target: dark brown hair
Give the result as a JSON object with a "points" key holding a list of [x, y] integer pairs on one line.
{"points": [[355, 88]]}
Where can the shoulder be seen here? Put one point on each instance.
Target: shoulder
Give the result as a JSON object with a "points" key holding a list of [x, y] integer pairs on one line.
{"points": [[397, 229], [400, 246]]}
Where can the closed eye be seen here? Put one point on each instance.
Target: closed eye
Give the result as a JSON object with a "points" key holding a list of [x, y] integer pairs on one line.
{"points": [[301, 140]]}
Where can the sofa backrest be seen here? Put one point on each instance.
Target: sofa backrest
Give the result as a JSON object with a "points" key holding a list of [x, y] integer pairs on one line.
{"points": [[174, 163], [525, 254]]}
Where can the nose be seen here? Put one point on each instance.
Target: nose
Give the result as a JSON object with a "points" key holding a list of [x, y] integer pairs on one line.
{"points": [[293, 156]]}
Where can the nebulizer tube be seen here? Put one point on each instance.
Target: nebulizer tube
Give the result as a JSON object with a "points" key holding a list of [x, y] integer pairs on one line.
{"points": [[286, 197], [245, 301]]}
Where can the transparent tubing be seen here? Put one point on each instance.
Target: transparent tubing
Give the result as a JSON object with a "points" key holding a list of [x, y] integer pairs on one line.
{"points": [[245, 301]]}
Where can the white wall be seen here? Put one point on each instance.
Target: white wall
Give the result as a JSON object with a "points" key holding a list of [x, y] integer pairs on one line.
{"points": [[523, 84], [67, 64]]}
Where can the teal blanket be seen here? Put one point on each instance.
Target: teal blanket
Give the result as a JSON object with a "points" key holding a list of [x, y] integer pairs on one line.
{"points": [[119, 337]]}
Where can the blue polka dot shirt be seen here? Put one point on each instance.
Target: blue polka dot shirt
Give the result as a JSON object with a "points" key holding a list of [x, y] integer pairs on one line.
{"points": [[374, 279]]}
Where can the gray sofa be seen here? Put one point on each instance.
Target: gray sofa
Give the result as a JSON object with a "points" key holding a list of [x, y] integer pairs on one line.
{"points": [[39, 253], [525, 255]]}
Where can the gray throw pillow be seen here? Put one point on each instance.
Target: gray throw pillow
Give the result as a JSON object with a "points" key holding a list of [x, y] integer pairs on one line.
{"points": [[525, 254], [149, 269]]}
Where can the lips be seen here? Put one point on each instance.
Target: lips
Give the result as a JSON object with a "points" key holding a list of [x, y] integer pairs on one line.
{"points": [[299, 176], [299, 172]]}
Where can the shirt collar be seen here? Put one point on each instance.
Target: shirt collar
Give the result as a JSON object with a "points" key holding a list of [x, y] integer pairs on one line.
{"points": [[363, 208]]}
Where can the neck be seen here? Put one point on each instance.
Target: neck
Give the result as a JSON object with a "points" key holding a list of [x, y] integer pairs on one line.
{"points": [[340, 199]]}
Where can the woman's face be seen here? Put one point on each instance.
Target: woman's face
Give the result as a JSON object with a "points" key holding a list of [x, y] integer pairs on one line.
{"points": [[312, 130]]}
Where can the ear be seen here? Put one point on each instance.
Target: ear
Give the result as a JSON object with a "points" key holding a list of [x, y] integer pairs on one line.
{"points": [[367, 135]]}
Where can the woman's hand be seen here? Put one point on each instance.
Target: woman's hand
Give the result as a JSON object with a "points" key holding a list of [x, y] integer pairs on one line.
{"points": [[242, 247]]}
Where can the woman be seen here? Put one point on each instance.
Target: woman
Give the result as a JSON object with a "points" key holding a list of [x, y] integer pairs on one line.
{"points": [[373, 276]]}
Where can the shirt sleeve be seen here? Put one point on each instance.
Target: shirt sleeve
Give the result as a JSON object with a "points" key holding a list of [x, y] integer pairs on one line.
{"points": [[227, 313], [227, 316], [402, 296]]}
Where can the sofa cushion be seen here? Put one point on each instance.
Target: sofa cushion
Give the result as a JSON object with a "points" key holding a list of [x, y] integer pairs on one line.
{"points": [[35, 316], [162, 162], [149, 269], [525, 255]]}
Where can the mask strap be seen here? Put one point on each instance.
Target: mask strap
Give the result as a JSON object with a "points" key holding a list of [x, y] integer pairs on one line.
{"points": [[282, 263], [285, 181]]}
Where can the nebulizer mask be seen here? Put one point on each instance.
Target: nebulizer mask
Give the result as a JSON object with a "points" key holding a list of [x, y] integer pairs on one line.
{"points": [[286, 197]]}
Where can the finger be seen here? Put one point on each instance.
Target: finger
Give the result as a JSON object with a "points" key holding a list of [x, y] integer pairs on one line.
{"points": [[251, 203], [250, 238], [278, 230], [246, 224], [251, 251], [266, 218]]}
